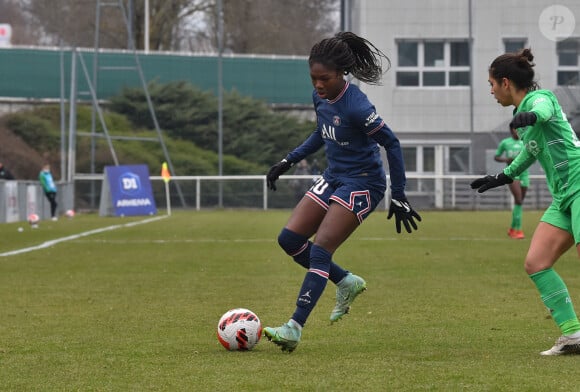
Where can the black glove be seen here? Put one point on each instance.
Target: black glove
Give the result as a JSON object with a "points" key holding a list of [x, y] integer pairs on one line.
{"points": [[276, 171], [403, 213], [523, 119], [484, 183]]}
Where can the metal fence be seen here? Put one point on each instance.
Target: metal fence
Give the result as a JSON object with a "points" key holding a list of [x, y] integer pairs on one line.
{"points": [[425, 192], [18, 199]]}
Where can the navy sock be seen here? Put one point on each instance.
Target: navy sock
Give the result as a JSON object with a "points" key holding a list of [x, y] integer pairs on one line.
{"points": [[313, 284], [299, 248]]}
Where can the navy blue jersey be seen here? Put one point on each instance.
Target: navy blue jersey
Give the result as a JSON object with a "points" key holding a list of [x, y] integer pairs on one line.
{"points": [[351, 131]]}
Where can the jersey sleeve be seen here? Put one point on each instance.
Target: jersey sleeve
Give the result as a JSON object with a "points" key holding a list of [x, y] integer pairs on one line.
{"points": [[520, 164], [543, 108], [375, 128], [312, 144]]}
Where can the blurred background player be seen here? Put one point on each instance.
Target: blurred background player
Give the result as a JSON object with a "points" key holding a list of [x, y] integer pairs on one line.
{"points": [[506, 151], [351, 186], [550, 139], [49, 188]]}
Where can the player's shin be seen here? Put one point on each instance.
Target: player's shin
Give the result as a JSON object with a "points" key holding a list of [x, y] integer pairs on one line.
{"points": [[313, 284], [554, 294]]}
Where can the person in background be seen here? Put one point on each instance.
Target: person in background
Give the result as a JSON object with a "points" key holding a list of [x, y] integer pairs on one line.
{"points": [[549, 139], [5, 173], [49, 188], [352, 185], [506, 151]]}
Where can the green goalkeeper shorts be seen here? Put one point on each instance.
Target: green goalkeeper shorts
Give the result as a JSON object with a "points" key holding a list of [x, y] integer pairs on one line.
{"points": [[524, 179], [568, 219]]}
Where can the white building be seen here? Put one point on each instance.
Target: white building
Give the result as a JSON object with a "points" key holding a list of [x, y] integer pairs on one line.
{"points": [[436, 96]]}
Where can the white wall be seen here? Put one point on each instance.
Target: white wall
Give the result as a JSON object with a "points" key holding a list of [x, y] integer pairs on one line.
{"points": [[436, 110]]}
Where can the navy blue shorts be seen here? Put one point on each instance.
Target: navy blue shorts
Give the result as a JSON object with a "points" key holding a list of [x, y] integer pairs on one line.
{"points": [[360, 195]]}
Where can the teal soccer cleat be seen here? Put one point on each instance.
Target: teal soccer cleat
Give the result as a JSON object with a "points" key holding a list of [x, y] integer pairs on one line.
{"points": [[287, 336], [346, 291]]}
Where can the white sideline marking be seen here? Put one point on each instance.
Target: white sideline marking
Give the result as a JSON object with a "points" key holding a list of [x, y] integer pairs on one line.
{"points": [[76, 236]]}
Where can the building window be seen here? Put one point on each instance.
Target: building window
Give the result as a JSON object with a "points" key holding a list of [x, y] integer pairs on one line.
{"points": [[432, 63], [410, 158], [458, 160], [513, 45], [568, 72]]}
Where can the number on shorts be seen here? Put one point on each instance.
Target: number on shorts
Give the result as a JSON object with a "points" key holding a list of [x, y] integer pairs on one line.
{"points": [[320, 186]]}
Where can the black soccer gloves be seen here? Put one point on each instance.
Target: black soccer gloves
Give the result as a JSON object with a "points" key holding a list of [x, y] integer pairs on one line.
{"points": [[403, 213], [276, 171], [523, 119], [484, 183]]}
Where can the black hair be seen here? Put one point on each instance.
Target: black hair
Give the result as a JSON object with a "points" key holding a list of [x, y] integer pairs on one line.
{"points": [[349, 53], [517, 67]]}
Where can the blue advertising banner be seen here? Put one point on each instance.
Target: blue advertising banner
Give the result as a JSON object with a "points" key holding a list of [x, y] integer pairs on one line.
{"points": [[130, 190]]}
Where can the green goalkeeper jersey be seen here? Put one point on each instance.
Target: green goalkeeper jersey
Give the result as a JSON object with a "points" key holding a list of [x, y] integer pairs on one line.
{"points": [[551, 141]]}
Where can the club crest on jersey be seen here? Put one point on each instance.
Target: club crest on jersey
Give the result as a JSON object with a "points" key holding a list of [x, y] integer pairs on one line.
{"points": [[336, 121]]}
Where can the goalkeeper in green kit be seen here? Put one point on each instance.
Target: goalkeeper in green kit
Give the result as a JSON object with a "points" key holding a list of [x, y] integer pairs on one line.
{"points": [[549, 139]]}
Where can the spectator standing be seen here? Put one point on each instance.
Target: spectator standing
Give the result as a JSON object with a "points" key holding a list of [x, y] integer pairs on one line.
{"points": [[49, 188]]}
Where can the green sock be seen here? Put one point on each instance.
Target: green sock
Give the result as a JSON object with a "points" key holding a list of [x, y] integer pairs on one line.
{"points": [[517, 217], [554, 294]]}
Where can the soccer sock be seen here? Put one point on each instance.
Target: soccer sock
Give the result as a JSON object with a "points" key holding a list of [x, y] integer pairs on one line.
{"points": [[313, 285], [554, 294], [517, 217], [295, 324], [299, 247]]}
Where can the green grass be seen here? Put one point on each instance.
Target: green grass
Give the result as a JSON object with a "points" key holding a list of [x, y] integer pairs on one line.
{"points": [[448, 308]]}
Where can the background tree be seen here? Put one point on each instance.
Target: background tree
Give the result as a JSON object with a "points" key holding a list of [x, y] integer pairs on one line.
{"points": [[250, 26], [279, 27], [22, 32], [251, 131], [170, 22], [72, 23]]}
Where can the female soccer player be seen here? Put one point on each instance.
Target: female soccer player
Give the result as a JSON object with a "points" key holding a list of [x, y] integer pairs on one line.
{"points": [[548, 138], [506, 151], [350, 188]]}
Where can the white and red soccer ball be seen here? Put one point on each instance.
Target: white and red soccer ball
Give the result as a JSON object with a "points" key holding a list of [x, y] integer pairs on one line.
{"points": [[33, 219], [70, 214], [239, 329]]}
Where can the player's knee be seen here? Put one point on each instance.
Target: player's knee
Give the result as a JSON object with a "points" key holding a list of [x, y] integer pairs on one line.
{"points": [[291, 242], [531, 266]]}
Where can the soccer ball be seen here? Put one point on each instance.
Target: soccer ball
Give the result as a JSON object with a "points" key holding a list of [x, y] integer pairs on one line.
{"points": [[239, 329], [70, 213], [33, 219]]}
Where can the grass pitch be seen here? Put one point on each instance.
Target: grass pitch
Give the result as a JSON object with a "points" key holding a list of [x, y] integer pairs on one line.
{"points": [[135, 308]]}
